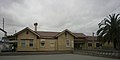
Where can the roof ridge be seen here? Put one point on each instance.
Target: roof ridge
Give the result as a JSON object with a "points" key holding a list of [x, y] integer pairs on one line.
{"points": [[78, 33], [47, 31], [58, 32]]}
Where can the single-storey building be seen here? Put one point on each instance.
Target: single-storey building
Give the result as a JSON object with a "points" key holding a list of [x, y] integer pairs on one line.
{"points": [[33, 40], [29, 40]]}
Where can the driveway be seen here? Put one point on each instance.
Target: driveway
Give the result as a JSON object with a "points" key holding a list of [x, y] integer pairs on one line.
{"points": [[54, 57]]}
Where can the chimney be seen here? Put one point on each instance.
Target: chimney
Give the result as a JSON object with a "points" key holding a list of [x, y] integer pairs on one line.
{"points": [[35, 24]]}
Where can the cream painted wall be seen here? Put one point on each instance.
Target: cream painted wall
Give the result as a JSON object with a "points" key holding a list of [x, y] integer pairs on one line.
{"points": [[28, 36], [62, 42], [59, 43], [48, 43]]}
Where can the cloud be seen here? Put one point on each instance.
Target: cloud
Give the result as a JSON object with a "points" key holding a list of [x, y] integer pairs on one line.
{"points": [[56, 15]]}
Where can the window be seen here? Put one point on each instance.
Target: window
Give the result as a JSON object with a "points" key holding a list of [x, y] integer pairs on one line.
{"points": [[89, 44], [23, 43], [67, 43], [42, 43], [31, 43], [98, 44], [67, 40]]}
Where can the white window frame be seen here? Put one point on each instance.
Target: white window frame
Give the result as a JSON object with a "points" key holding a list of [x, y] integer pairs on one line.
{"points": [[42, 40], [67, 40]]}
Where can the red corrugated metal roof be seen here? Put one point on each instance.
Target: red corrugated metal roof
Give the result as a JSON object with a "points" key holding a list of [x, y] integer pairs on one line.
{"points": [[91, 38], [47, 34], [79, 34]]}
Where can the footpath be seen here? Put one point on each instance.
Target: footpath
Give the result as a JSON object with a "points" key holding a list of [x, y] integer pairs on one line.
{"points": [[30, 53]]}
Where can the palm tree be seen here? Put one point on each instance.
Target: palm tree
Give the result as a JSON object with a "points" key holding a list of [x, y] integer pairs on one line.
{"points": [[109, 30]]}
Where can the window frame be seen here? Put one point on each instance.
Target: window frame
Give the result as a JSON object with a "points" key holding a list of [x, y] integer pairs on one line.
{"points": [[42, 41], [31, 43], [99, 44], [67, 40], [23, 43], [67, 43]]}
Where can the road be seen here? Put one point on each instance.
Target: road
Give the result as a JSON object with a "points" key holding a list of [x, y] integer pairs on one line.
{"points": [[54, 57]]}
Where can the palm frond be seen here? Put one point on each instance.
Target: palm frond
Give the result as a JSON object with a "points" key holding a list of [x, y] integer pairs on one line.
{"points": [[110, 31]]}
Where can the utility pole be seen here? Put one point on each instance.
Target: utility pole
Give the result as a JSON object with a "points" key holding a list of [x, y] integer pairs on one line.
{"points": [[3, 23], [4, 28], [93, 41]]}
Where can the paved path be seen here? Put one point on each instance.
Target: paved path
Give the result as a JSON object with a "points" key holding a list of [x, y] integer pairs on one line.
{"points": [[54, 57]]}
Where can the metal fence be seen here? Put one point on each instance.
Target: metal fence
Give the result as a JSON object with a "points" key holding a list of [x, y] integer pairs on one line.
{"points": [[99, 52]]}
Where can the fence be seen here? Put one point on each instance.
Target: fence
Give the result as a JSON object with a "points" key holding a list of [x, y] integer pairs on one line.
{"points": [[99, 52]]}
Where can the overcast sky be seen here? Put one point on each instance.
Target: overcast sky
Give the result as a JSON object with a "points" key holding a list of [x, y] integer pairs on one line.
{"points": [[56, 15]]}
